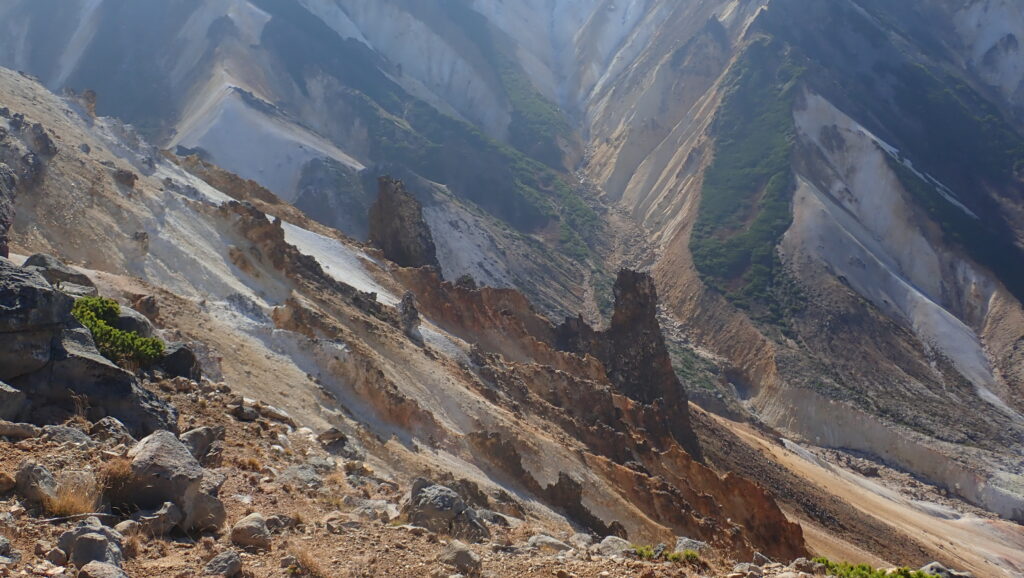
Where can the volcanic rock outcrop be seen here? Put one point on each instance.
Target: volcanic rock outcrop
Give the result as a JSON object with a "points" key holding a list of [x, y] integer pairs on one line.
{"points": [[634, 353], [52, 359], [397, 227], [8, 180]]}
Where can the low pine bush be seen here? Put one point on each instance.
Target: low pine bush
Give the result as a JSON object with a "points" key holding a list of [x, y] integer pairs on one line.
{"points": [[847, 570], [128, 349]]}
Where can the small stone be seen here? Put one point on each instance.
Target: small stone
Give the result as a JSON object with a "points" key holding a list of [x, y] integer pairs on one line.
{"points": [[459, 556], [289, 562], [128, 527], [225, 564], [547, 544], [57, 557], [251, 532], [101, 570], [7, 483]]}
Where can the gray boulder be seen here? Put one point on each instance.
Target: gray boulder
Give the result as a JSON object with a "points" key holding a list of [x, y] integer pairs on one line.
{"points": [[61, 434], [101, 570], [110, 390], [180, 361], [165, 471], [459, 556], [614, 546], [547, 544], [12, 402], [35, 482], [52, 359], [252, 532], [441, 510], [110, 429], [160, 522], [29, 310], [134, 322], [684, 544], [91, 541], [227, 564], [55, 272], [201, 440]]}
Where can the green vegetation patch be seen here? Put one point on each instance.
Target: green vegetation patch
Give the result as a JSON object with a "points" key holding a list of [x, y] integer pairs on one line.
{"points": [[846, 570], [126, 348], [747, 193]]}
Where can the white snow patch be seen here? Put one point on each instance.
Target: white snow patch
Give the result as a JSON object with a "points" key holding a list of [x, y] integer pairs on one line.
{"points": [[255, 145], [338, 260]]}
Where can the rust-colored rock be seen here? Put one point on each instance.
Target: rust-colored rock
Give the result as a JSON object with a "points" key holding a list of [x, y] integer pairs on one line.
{"points": [[633, 351]]}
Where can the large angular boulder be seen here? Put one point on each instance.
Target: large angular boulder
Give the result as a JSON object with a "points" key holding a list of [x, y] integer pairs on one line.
{"points": [[56, 272], [91, 541], [48, 356], [440, 509], [27, 300], [163, 470], [77, 366]]}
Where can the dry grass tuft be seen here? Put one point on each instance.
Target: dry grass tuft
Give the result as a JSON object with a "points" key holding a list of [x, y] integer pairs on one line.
{"points": [[77, 493], [133, 544], [310, 564], [250, 464], [115, 478]]}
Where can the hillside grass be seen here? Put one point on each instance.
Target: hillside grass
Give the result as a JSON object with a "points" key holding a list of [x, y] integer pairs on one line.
{"points": [[747, 193]]}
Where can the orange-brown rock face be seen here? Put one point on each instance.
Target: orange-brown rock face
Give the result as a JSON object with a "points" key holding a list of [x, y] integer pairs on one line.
{"points": [[634, 353], [634, 437]]}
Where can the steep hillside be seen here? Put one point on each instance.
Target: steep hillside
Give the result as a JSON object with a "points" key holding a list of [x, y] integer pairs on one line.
{"points": [[272, 298], [828, 196]]}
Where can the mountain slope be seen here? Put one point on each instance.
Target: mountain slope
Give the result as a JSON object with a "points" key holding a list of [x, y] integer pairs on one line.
{"points": [[828, 195]]}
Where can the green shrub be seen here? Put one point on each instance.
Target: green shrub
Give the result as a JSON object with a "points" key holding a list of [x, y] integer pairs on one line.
{"points": [[645, 552], [691, 557], [847, 570], [125, 348]]}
